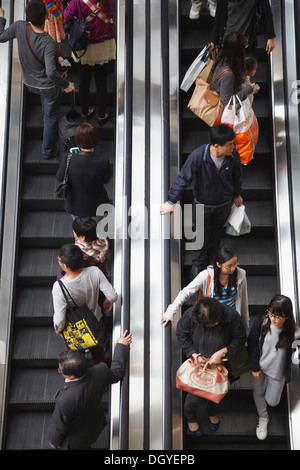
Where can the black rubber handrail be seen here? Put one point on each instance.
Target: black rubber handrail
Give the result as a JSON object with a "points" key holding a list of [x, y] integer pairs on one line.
{"points": [[6, 141], [125, 308]]}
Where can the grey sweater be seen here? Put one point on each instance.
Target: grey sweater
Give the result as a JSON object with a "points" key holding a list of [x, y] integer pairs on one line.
{"points": [[34, 73], [224, 86]]}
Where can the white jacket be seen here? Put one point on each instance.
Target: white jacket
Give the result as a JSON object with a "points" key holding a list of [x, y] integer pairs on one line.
{"points": [[201, 282]]}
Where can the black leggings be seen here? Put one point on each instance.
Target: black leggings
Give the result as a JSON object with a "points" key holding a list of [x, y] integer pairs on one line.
{"points": [[85, 76]]}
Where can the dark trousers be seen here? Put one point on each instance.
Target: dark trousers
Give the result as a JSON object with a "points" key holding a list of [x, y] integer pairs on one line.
{"points": [[85, 75], [191, 404], [214, 220]]}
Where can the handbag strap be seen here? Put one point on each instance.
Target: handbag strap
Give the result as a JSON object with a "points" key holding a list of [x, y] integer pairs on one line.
{"points": [[219, 76], [65, 292], [29, 44], [96, 12], [67, 167], [207, 289]]}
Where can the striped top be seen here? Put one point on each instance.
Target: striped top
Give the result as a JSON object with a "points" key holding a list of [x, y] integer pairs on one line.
{"points": [[227, 299]]}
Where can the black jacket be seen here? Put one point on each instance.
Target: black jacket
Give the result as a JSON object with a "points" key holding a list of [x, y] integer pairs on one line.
{"points": [[262, 6], [211, 186], [88, 173], [193, 338], [78, 417]]}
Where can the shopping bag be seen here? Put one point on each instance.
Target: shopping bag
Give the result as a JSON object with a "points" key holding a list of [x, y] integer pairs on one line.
{"points": [[207, 73], [245, 126], [82, 330], [238, 222], [209, 382], [195, 68], [205, 102]]}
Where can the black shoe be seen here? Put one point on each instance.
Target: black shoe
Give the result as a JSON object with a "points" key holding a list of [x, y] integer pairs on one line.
{"points": [[197, 433], [213, 426], [195, 270], [102, 121]]}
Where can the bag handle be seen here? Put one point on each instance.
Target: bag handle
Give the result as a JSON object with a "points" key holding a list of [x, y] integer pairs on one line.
{"points": [[207, 363]]}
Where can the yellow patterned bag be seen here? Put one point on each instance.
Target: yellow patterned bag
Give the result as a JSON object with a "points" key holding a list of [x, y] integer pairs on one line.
{"points": [[82, 329]]}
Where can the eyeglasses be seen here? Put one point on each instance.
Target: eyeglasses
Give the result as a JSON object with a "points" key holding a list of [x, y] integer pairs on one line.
{"points": [[229, 266], [276, 317], [59, 260]]}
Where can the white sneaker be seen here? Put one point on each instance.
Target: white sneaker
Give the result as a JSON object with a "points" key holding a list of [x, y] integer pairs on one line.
{"points": [[195, 11], [262, 428], [211, 5]]}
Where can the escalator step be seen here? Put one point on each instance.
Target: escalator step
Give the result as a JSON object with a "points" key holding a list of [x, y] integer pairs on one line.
{"points": [[44, 229], [34, 306], [30, 431], [36, 347], [38, 267]]}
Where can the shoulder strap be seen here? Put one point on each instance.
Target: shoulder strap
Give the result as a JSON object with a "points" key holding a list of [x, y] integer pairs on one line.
{"points": [[67, 166], [29, 44], [65, 292], [220, 75], [208, 286], [96, 12]]}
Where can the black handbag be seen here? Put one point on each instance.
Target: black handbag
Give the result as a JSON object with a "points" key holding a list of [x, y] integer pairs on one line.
{"points": [[77, 34], [63, 188], [239, 363], [82, 329]]}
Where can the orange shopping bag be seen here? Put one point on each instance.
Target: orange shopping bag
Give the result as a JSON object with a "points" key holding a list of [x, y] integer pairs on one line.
{"points": [[244, 123]]}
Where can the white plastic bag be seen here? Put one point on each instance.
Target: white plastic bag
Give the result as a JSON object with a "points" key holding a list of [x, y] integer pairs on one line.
{"points": [[194, 69], [238, 222]]}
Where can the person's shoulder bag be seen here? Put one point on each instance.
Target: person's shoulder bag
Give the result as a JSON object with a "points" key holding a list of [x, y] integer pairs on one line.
{"points": [[63, 187], [82, 329]]}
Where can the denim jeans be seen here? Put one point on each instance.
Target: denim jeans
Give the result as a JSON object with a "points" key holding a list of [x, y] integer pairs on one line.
{"points": [[51, 101]]}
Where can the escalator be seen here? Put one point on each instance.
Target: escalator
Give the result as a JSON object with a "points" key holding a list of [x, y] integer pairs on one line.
{"points": [[43, 227], [257, 251]]}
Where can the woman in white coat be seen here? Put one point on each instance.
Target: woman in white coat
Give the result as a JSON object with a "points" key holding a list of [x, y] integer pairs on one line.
{"points": [[224, 281]]}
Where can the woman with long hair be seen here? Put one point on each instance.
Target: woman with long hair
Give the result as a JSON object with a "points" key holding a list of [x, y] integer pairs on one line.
{"points": [[231, 63], [270, 350], [225, 281]]}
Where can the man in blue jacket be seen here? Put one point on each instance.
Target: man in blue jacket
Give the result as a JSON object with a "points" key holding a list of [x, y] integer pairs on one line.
{"points": [[216, 171]]}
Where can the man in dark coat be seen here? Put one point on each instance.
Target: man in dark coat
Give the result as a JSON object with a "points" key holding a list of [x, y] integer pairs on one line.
{"points": [[216, 171], [78, 417]]}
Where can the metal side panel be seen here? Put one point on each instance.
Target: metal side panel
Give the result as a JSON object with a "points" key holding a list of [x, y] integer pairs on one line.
{"points": [[11, 206], [140, 406], [288, 282]]}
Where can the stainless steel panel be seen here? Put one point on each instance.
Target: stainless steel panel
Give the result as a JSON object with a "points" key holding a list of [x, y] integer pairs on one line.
{"points": [[145, 90], [11, 204], [285, 220]]}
